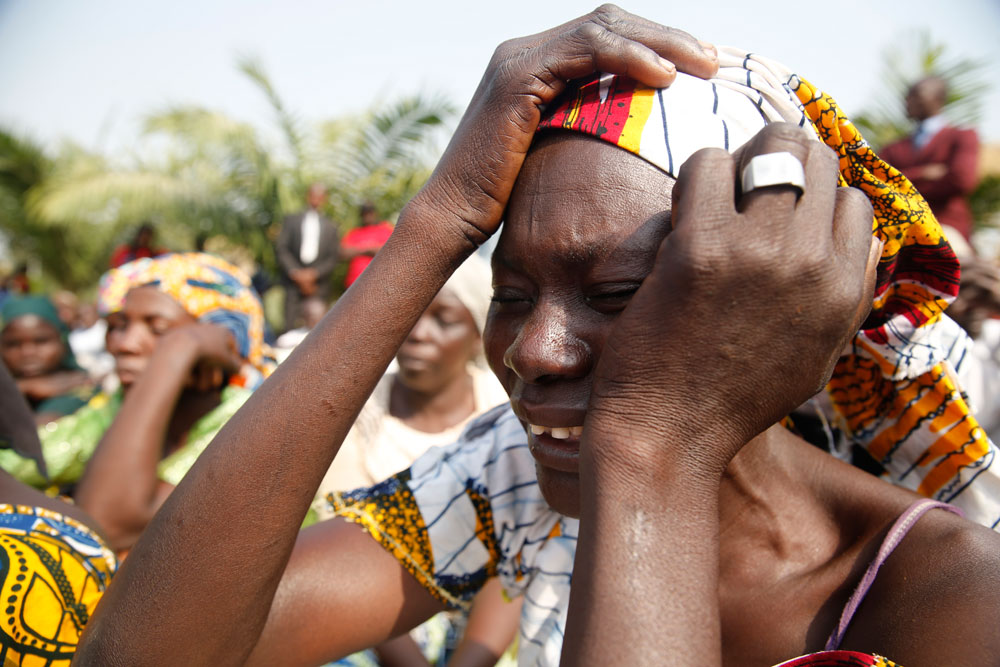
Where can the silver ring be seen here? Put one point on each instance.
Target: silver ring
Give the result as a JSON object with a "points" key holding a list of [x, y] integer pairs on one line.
{"points": [[764, 171]]}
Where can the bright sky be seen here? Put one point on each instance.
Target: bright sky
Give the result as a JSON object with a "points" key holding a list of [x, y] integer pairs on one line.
{"points": [[89, 70]]}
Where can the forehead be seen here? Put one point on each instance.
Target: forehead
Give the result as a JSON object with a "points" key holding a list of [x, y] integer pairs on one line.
{"points": [[446, 298], [31, 325], [577, 199], [148, 301]]}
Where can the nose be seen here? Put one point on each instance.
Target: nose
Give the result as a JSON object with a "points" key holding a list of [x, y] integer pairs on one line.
{"points": [[547, 349], [128, 340], [422, 331]]}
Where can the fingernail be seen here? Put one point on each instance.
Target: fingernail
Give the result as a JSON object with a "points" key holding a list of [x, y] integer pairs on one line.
{"points": [[667, 65], [709, 49]]}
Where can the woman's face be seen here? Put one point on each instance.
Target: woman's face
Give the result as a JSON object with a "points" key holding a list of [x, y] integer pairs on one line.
{"points": [[31, 347], [134, 330], [439, 346], [581, 232]]}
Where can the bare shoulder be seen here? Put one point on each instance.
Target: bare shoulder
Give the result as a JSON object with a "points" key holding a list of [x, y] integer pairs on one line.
{"points": [[936, 600]]}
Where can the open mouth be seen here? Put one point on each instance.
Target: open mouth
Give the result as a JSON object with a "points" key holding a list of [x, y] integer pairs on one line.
{"points": [[557, 432], [556, 447]]}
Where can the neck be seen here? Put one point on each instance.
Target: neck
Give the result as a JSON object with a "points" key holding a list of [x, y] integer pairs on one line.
{"points": [[773, 510], [434, 411]]}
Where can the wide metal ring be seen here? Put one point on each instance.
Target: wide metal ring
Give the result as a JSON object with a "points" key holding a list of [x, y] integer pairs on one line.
{"points": [[770, 169]]}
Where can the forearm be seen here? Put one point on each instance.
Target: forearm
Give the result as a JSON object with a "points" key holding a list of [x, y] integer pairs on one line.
{"points": [[647, 549], [491, 628], [281, 442], [119, 486]]}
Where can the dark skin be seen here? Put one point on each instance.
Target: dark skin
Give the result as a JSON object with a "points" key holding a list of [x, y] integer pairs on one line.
{"points": [[297, 602], [33, 351], [307, 407], [173, 370], [763, 526]]}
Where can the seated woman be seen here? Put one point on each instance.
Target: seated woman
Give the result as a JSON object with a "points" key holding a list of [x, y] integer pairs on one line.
{"points": [[186, 334], [440, 386], [652, 324], [35, 348]]}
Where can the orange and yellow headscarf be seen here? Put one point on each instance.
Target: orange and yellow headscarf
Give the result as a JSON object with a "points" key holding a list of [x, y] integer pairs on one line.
{"points": [[894, 391], [209, 288]]}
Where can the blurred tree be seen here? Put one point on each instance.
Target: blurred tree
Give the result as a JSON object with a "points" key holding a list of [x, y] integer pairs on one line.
{"points": [[65, 254], [211, 175], [384, 155], [914, 56]]}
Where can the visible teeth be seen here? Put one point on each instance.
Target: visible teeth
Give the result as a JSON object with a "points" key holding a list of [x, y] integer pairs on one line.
{"points": [[559, 433]]}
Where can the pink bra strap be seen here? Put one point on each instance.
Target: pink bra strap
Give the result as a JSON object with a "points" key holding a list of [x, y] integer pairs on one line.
{"points": [[896, 534]]}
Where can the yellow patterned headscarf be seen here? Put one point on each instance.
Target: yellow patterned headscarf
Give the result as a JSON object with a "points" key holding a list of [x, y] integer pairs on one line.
{"points": [[894, 390], [209, 288]]}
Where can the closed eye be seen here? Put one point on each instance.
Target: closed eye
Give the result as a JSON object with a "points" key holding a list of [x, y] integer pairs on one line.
{"points": [[503, 295], [613, 299]]}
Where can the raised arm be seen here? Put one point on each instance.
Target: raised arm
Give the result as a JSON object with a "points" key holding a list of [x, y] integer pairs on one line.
{"points": [[209, 564], [120, 487], [665, 419]]}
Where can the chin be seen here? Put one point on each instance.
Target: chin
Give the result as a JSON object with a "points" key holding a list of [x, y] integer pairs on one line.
{"points": [[561, 490]]}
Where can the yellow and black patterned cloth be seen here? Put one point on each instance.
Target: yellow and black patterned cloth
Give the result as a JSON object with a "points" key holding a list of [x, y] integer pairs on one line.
{"points": [[53, 572]]}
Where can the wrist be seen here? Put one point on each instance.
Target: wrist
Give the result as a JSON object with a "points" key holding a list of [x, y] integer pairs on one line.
{"points": [[176, 349], [658, 437], [431, 230]]}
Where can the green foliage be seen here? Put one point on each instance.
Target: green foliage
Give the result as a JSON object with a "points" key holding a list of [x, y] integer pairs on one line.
{"points": [[383, 155], [212, 176], [985, 201], [911, 57], [69, 251]]}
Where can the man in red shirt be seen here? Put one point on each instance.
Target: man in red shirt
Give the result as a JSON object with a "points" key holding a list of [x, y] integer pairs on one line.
{"points": [[940, 160], [361, 243], [140, 246]]}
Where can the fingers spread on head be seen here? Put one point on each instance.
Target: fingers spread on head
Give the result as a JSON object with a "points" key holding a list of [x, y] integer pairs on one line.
{"points": [[590, 47], [610, 39], [703, 193], [687, 53]]}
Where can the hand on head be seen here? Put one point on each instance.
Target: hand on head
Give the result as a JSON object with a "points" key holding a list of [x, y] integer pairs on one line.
{"points": [[473, 180], [769, 282]]}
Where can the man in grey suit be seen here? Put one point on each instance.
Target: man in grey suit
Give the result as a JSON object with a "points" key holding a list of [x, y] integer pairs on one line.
{"points": [[307, 250]]}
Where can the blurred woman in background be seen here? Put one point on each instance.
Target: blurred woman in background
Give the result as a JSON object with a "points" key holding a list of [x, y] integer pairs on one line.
{"points": [[35, 348]]}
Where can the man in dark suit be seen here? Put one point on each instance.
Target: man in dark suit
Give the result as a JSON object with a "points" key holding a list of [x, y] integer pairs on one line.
{"points": [[940, 160], [307, 251]]}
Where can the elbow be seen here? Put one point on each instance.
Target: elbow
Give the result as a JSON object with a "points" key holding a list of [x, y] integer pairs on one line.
{"points": [[122, 522]]}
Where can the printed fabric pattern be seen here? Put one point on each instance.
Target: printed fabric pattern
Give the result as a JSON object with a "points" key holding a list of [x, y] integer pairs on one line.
{"points": [[70, 441], [894, 391], [210, 289], [839, 659], [473, 510], [53, 572]]}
